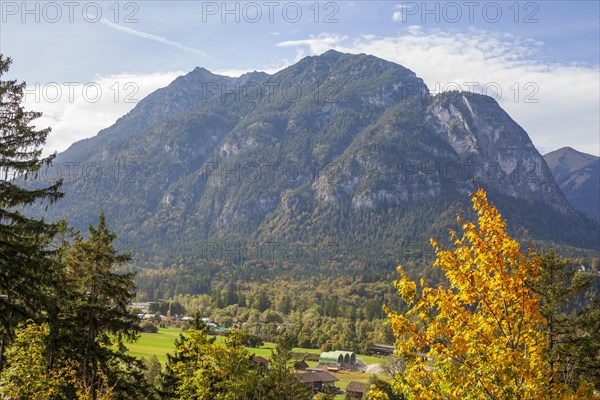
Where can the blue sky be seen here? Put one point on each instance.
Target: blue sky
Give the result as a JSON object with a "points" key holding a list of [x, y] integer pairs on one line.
{"points": [[539, 59]]}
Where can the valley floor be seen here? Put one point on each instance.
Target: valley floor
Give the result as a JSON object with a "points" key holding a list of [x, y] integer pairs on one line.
{"points": [[162, 342]]}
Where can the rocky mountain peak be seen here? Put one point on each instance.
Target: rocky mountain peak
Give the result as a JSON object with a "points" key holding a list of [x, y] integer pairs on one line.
{"points": [[567, 160], [350, 148], [578, 175]]}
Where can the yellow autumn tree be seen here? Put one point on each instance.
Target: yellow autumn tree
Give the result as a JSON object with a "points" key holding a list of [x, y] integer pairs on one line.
{"points": [[375, 393], [26, 374], [480, 338]]}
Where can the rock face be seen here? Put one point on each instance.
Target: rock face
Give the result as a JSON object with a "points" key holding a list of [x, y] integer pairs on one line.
{"points": [[338, 148], [482, 134], [578, 175]]}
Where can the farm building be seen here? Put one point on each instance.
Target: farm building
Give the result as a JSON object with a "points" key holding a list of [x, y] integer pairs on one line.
{"points": [[337, 358], [356, 390], [316, 381], [382, 349], [300, 365]]}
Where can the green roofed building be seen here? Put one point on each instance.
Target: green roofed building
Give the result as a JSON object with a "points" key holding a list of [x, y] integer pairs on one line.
{"points": [[337, 358]]}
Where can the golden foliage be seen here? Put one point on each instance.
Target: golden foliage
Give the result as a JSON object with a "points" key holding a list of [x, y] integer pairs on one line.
{"points": [[25, 375], [375, 393], [481, 336]]}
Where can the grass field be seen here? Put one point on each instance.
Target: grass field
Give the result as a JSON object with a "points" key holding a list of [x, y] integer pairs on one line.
{"points": [[163, 342], [159, 344]]}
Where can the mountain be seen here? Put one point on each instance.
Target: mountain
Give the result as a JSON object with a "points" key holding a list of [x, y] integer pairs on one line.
{"points": [[338, 160], [578, 175]]}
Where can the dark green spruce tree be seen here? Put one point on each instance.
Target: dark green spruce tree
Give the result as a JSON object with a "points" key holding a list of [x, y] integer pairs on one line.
{"points": [[571, 307], [95, 322], [278, 378], [26, 267]]}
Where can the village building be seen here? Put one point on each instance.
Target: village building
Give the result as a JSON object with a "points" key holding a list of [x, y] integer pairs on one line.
{"points": [[382, 349], [316, 381], [356, 390], [300, 365]]}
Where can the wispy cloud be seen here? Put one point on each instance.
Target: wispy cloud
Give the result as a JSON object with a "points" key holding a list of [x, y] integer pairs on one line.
{"points": [[149, 36], [317, 43]]}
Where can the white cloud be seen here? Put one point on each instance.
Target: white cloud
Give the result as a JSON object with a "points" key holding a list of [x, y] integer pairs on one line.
{"points": [[397, 16], [79, 110], [317, 43], [415, 30], [269, 69], [568, 96], [236, 72]]}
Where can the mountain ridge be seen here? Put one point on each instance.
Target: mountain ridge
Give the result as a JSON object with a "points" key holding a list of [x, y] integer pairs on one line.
{"points": [[339, 150], [578, 175]]}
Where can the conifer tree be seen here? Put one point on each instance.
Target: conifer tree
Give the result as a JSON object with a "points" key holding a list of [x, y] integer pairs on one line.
{"points": [[96, 318], [279, 378], [26, 270], [573, 329]]}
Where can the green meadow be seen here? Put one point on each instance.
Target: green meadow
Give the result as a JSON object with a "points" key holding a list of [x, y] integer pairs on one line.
{"points": [[159, 344], [163, 342]]}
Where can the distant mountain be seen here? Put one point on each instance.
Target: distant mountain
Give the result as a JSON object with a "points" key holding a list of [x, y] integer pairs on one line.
{"points": [[578, 175], [344, 154]]}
